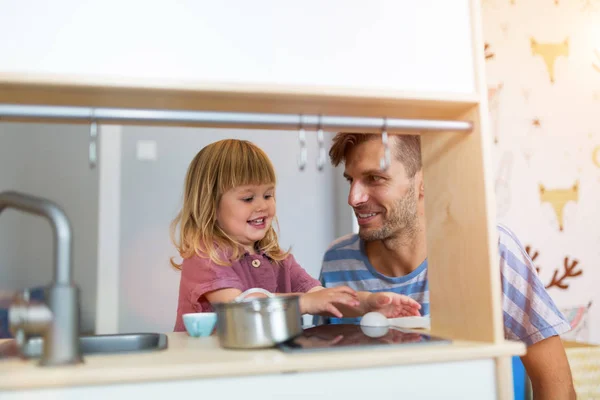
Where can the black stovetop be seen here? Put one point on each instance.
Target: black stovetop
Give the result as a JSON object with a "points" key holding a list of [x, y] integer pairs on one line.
{"points": [[350, 336]]}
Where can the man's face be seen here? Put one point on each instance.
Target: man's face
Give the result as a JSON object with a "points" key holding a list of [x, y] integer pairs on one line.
{"points": [[385, 203]]}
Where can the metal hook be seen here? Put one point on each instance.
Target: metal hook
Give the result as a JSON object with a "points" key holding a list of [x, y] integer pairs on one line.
{"points": [[303, 151], [93, 147], [385, 162], [321, 141]]}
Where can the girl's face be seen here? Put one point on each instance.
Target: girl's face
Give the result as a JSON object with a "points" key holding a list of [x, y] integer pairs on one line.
{"points": [[245, 213]]}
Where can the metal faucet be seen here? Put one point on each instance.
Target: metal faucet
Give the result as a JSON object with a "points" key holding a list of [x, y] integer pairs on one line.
{"points": [[58, 321]]}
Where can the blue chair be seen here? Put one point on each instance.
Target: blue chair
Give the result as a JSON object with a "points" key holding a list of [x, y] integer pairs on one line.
{"points": [[36, 293], [519, 379]]}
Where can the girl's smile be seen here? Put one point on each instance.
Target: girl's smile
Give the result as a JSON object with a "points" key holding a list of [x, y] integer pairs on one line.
{"points": [[258, 223], [245, 213]]}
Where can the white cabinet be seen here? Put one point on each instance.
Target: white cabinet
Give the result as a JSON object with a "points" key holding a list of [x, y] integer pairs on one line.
{"points": [[335, 46], [460, 380]]}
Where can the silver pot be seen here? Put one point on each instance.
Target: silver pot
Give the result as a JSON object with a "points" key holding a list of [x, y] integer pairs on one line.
{"points": [[258, 322]]}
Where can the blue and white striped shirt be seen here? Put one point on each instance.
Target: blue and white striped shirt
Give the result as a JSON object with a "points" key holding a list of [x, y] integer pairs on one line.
{"points": [[530, 315]]}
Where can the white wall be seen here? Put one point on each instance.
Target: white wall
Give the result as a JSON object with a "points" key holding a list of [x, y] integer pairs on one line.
{"points": [[50, 161], [150, 196], [558, 150]]}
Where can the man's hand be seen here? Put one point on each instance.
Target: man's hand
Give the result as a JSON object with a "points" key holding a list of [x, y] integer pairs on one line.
{"points": [[392, 305], [323, 301]]}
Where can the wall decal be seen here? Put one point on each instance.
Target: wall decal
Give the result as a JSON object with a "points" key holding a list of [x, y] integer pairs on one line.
{"points": [[527, 153], [596, 62], [536, 122], [596, 156], [533, 256], [526, 92], [558, 198], [503, 184], [494, 105], [578, 318], [488, 51], [568, 270], [550, 52], [588, 5]]}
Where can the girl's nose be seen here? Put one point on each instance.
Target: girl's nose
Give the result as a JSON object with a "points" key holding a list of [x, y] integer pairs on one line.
{"points": [[261, 204]]}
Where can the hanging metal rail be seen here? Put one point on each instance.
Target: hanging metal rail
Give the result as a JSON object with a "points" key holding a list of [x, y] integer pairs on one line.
{"points": [[229, 119], [216, 118]]}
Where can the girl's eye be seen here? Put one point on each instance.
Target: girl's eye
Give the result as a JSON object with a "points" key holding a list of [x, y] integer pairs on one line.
{"points": [[247, 199], [268, 196]]}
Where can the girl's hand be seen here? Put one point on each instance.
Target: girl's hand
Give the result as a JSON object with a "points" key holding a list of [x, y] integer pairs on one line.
{"points": [[393, 305], [324, 301]]}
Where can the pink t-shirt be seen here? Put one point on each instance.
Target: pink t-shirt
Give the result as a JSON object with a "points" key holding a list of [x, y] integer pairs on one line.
{"points": [[200, 276]]}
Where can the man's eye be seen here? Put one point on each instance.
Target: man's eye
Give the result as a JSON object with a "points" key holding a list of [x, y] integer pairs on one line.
{"points": [[375, 178]]}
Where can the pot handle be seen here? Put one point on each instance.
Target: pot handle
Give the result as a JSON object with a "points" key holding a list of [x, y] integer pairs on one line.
{"points": [[248, 292]]}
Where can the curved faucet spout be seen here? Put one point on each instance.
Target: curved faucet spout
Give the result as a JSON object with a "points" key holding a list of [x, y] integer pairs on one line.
{"points": [[59, 320], [61, 228]]}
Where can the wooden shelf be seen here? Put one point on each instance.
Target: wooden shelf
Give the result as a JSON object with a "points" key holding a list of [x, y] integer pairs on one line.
{"points": [[200, 358], [72, 91]]}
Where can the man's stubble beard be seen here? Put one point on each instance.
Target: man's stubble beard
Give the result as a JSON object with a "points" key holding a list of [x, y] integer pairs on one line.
{"points": [[401, 221]]}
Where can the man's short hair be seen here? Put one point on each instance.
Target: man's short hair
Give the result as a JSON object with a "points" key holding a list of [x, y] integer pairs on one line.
{"points": [[406, 148]]}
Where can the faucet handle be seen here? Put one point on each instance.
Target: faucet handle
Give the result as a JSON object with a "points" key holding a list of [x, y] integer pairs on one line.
{"points": [[20, 338], [26, 317]]}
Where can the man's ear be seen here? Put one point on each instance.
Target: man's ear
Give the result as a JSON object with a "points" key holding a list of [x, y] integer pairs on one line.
{"points": [[420, 182]]}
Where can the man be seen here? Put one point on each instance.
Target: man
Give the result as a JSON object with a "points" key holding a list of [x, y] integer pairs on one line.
{"points": [[390, 254]]}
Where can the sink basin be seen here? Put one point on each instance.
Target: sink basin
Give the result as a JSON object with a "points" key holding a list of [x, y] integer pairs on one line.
{"points": [[100, 344]]}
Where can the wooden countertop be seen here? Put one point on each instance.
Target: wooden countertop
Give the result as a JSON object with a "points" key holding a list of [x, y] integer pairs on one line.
{"points": [[199, 358]]}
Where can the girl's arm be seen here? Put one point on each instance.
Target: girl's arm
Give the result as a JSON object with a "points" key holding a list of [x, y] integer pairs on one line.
{"points": [[340, 302], [228, 295], [325, 301], [222, 295]]}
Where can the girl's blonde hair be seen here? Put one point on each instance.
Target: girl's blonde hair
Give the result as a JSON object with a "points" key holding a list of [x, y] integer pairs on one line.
{"points": [[217, 168]]}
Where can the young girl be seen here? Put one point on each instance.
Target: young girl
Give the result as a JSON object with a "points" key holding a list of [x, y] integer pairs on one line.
{"points": [[228, 243]]}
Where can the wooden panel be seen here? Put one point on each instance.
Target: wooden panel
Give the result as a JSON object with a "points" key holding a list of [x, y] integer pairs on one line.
{"points": [[333, 101], [504, 378], [461, 231], [464, 274], [464, 269], [202, 358]]}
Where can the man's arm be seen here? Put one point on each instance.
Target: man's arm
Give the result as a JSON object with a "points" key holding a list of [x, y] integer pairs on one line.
{"points": [[530, 315], [391, 305], [549, 371]]}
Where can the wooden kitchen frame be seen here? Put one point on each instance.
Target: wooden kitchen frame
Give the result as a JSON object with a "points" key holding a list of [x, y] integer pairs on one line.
{"points": [[464, 276]]}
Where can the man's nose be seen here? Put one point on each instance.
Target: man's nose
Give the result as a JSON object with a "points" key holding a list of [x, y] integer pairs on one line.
{"points": [[357, 195]]}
